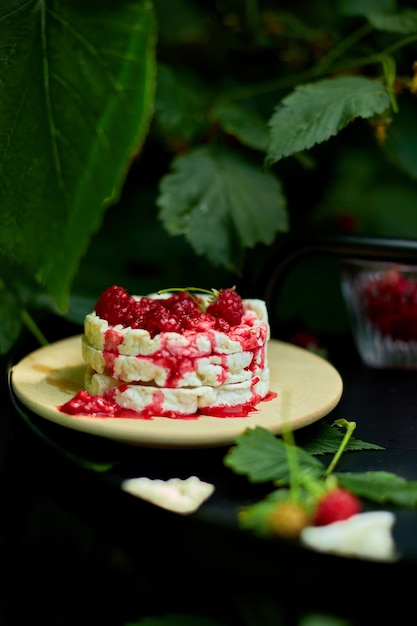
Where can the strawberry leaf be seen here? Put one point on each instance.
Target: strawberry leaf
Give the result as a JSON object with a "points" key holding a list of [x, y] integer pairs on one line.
{"points": [[322, 438], [77, 91], [382, 487], [315, 112], [222, 203], [263, 457]]}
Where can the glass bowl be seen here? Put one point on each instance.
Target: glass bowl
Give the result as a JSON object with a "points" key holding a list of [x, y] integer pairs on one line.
{"points": [[381, 300]]}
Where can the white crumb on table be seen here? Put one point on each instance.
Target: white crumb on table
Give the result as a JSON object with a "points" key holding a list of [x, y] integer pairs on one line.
{"points": [[175, 494]]}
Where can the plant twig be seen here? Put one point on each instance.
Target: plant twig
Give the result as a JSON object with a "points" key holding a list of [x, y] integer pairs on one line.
{"points": [[34, 329]]}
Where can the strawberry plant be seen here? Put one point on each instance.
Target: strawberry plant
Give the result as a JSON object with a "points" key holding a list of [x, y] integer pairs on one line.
{"points": [[307, 493], [137, 132]]}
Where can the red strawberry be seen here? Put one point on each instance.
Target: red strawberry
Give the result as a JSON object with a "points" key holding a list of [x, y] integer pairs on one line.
{"points": [[337, 504], [227, 305]]}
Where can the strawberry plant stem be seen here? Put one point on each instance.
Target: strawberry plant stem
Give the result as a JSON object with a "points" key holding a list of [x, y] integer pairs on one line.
{"points": [[350, 427], [293, 465]]}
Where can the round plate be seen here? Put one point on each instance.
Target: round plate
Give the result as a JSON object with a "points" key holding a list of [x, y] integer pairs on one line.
{"points": [[307, 387]]}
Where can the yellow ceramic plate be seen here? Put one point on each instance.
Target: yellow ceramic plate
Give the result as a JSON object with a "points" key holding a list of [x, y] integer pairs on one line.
{"points": [[308, 388]]}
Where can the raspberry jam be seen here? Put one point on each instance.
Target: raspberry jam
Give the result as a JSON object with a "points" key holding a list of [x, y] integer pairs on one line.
{"points": [[83, 403]]}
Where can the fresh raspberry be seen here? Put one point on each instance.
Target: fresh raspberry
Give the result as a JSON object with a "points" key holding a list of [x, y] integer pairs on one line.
{"points": [[113, 305], [227, 305], [288, 519], [180, 311], [181, 304], [153, 316], [391, 304], [221, 325], [337, 504]]}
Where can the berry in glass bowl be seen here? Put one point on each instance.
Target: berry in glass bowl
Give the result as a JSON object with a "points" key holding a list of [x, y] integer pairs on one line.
{"points": [[381, 300]]}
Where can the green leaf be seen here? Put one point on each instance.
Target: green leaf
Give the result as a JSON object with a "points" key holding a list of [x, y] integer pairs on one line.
{"points": [[222, 203], [322, 438], [77, 90], [263, 457], [382, 487], [241, 123], [315, 112], [403, 23]]}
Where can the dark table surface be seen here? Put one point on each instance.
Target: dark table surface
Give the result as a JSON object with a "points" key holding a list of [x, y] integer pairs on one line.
{"points": [[205, 555]]}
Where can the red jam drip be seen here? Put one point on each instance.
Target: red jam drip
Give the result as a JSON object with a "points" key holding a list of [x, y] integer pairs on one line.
{"points": [[85, 404]]}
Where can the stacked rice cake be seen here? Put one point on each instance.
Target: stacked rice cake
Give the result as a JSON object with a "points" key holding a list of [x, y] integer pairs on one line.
{"points": [[179, 374]]}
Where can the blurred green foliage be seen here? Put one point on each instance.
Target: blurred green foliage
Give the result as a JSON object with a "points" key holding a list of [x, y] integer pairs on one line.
{"points": [[266, 120]]}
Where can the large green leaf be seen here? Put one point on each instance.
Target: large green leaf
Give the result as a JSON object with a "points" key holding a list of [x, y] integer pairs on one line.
{"points": [[315, 112], [222, 203], [77, 80]]}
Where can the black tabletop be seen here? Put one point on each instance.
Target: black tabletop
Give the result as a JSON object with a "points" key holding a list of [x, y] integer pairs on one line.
{"points": [[208, 549]]}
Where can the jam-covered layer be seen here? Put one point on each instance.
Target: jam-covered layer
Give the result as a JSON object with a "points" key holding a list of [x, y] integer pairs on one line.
{"points": [[85, 404]]}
